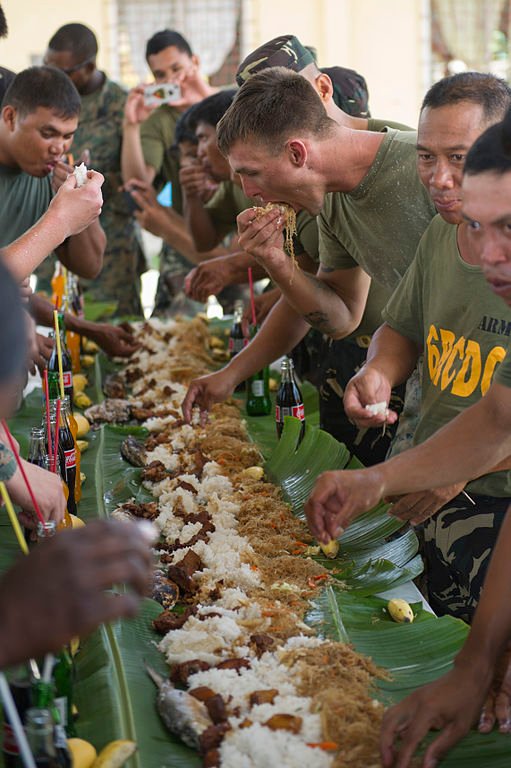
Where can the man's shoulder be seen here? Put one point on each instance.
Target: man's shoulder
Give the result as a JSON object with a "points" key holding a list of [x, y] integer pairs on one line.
{"points": [[162, 117]]}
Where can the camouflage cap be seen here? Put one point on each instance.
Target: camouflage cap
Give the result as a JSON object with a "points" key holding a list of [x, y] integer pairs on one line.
{"points": [[284, 51]]}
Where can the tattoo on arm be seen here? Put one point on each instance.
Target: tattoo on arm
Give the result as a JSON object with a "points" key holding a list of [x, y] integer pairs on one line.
{"points": [[321, 322]]}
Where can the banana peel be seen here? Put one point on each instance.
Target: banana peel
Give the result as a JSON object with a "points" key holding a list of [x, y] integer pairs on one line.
{"points": [[115, 754], [400, 611], [330, 550]]}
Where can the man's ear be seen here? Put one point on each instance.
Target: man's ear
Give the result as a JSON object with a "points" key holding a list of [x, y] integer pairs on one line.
{"points": [[195, 60], [9, 116], [297, 152], [324, 87]]}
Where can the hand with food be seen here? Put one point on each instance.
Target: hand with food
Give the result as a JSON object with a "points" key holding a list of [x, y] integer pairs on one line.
{"points": [[196, 182], [48, 492], [338, 497], [260, 233], [40, 353], [206, 390], [61, 586], [74, 208], [207, 279], [114, 340], [366, 399]]}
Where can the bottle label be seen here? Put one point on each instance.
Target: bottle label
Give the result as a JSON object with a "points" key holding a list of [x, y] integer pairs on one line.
{"points": [[61, 704], [68, 379], [297, 411], [10, 745], [70, 459], [236, 345], [257, 387]]}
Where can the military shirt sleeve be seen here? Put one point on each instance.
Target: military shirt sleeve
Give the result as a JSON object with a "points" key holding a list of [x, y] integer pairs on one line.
{"points": [[332, 253], [152, 140], [404, 310], [7, 463], [307, 236]]}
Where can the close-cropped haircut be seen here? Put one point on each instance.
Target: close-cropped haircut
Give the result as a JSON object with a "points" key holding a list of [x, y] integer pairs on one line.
{"points": [[270, 107], [165, 39], [211, 109], [4, 29], [76, 39], [491, 152], [490, 92], [43, 87]]}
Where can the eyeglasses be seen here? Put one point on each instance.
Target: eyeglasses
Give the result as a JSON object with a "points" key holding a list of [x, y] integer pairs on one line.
{"points": [[76, 67]]}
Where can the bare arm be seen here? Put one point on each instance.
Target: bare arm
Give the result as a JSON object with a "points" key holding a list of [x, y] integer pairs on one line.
{"points": [[83, 253], [133, 164], [333, 302]]}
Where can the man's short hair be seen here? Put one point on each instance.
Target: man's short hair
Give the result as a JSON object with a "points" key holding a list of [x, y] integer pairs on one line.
{"points": [[4, 29], [211, 109], [76, 39], [167, 38], [183, 130], [270, 107], [43, 87], [491, 152], [492, 93]]}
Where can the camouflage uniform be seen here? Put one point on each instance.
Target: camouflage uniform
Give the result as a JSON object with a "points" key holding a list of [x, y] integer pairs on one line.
{"points": [[100, 131]]}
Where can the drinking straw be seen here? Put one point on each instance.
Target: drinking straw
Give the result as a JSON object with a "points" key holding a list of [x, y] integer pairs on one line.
{"points": [[14, 519], [46, 390], [49, 661], [59, 351], [57, 435], [252, 302], [14, 719], [22, 470]]}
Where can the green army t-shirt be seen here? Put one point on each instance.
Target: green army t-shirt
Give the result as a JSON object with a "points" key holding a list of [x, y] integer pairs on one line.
{"points": [[24, 200], [446, 307], [379, 126], [378, 225], [503, 375], [157, 138]]}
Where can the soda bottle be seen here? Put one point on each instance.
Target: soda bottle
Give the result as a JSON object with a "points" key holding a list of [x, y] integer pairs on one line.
{"points": [[21, 690], [39, 730], [67, 458], [37, 453], [237, 339], [289, 398], [74, 431], [67, 366], [58, 285], [64, 673], [72, 304], [258, 391], [43, 695]]}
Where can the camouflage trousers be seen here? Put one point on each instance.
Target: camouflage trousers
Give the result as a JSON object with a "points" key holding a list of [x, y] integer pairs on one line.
{"points": [[339, 361], [457, 545]]}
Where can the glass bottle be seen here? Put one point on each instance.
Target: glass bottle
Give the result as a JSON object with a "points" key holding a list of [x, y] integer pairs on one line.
{"points": [[43, 695], [37, 453], [67, 458], [21, 690], [74, 431], [289, 400], [72, 304], [258, 390], [64, 673], [237, 339], [67, 366], [39, 730], [58, 285]]}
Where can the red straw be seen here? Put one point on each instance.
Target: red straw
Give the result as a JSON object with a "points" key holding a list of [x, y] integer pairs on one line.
{"points": [[57, 430], [22, 470], [46, 391], [252, 302]]}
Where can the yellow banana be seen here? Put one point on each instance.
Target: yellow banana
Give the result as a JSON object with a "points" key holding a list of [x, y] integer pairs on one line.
{"points": [[330, 550], [115, 754], [400, 611]]}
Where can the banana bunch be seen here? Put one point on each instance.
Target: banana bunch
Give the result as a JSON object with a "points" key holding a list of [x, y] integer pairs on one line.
{"points": [[114, 755]]}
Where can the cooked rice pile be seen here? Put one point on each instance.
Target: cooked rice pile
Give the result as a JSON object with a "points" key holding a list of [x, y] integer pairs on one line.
{"points": [[235, 551]]}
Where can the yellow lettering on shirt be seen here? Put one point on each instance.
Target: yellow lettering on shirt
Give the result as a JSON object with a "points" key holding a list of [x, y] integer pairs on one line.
{"points": [[445, 353]]}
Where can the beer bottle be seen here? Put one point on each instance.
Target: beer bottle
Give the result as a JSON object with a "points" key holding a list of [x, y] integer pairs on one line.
{"points": [[258, 390], [64, 673], [289, 398], [43, 695], [37, 453], [67, 366], [39, 730], [21, 690]]}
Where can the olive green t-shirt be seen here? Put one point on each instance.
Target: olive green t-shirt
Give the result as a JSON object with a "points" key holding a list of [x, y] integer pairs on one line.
{"points": [[503, 375], [445, 306], [157, 138], [24, 200], [378, 225]]}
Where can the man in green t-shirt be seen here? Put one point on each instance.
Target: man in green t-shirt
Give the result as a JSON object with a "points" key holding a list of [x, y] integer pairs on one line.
{"points": [[73, 49], [148, 134], [442, 307]]}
